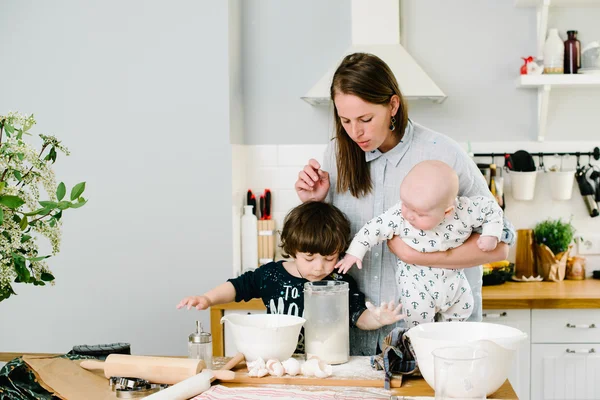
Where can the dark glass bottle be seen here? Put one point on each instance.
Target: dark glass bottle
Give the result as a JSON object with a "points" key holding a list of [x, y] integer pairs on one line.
{"points": [[572, 53]]}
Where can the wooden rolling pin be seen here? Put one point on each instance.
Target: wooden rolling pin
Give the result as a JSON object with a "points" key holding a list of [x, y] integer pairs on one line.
{"points": [[153, 369], [196, 384]]}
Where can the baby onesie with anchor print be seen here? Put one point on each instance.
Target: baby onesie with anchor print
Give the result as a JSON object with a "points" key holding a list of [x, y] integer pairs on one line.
{"points": [[427, 291]]}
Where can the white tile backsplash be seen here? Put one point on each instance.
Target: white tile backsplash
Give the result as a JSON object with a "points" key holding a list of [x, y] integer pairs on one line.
{"points": [[262, 155], [298, 155], [284, 200]]}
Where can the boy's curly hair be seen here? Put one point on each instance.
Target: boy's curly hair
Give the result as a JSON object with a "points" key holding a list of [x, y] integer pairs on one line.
{"points": [[316, 228]]}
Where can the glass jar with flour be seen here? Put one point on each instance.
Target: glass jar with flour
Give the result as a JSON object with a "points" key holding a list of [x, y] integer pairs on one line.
{"points": [[327, 326]]}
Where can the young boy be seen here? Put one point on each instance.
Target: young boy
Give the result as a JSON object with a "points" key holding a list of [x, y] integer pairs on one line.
{"points": [[430, 217], [314, 234]]}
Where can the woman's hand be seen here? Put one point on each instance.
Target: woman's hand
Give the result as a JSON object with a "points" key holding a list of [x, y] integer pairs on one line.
{"points": [[312, 183], [404, 252], [200, 302]]}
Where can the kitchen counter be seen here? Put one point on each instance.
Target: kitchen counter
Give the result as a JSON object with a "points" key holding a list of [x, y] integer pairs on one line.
{"points": [[510, 295]]}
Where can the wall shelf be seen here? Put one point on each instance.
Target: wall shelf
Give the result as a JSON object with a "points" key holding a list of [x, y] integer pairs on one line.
{"points": [[559, 81], [545, 83]]}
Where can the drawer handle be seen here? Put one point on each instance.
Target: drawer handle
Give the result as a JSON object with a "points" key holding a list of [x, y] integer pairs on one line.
{"points": [[582, 351], [581, 326], [486, 315]]}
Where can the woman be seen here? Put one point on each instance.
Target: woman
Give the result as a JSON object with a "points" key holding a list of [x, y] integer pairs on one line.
{"points": [[375, 146]]}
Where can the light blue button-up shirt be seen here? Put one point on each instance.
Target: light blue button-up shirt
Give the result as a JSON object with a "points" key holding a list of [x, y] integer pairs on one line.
{"points": [[376, 279]]}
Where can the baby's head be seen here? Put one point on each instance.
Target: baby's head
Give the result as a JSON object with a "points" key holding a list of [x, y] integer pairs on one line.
{"points": [[314, 234], [428, 193]]}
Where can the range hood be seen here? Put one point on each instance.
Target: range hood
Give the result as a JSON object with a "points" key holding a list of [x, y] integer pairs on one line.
{"points": [[376, 30]]}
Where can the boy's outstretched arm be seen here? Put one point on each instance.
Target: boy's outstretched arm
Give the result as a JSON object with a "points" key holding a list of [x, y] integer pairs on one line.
{"points": [[376, 317], [224, 293]]}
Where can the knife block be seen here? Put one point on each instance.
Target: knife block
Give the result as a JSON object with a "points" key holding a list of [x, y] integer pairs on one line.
{"points": [[266, 241]]}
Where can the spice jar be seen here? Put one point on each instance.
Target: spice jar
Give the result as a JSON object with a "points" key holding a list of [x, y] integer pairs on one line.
{"points": [[200, 345]]}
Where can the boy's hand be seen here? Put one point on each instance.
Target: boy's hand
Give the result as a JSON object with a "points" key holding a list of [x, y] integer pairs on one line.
{"points": [[487, 243], [200, 302], [387, 313], [347, 262]]}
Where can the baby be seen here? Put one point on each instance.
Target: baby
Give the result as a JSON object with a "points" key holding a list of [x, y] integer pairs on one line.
{"points": [[314, 234], [430, 217]]}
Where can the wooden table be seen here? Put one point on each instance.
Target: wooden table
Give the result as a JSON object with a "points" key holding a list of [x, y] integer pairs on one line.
{"points": [[410, 386], [510, 295]]}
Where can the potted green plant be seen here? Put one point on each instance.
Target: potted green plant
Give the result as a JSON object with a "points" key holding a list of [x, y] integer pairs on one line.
{"points": [[553, 239], [31, 203]]}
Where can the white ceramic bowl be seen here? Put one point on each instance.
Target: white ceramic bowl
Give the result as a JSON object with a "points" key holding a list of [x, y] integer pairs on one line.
{"points": [[265, 335], [499, 341]]}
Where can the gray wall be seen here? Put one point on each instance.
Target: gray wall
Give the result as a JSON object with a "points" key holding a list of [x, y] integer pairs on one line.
{"points": [[287, 46], [139, 92], [472, 49]]}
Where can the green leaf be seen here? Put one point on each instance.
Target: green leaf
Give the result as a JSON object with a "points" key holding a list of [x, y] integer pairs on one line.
{"points": [[79, 204], [63, 205], [9, 128], [12, 202], [6, 292], [20, 268], [58, 215], [19, 135], [52, 223], [2, 186], [37, 212], [1, 216], [18, 175], [25, 238], [48, 277], [35, 259], [61, 190], [49, 204], [77, 190], [23, 224], [20, 156]]}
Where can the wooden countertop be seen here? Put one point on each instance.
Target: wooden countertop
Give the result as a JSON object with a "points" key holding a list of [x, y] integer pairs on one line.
{"points": [[565, 294]]}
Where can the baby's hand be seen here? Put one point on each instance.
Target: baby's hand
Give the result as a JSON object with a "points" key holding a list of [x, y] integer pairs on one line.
{"points": [[200, 302], [387, 313], [347, 262], [487, 243]]}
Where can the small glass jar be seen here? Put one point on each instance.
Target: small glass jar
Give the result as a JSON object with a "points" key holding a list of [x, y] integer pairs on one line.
{"points": [[327, 327], [200, 345]]}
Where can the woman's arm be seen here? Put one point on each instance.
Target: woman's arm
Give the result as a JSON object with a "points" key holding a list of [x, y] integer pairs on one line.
{"points": [[464, 256]]}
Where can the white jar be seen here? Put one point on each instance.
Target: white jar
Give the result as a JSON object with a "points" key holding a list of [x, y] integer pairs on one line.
{"points": [[554, 53], [249, 240]]}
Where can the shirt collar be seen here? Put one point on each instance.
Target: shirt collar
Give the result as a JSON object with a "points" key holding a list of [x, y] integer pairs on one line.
{"points": [[394, 155]]}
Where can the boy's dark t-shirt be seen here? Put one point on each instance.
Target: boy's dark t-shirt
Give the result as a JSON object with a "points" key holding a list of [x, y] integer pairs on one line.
{"points": [[283, 293]]}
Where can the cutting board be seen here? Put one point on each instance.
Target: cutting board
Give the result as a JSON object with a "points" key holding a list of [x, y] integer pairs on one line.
{"points": [[356, 372]]}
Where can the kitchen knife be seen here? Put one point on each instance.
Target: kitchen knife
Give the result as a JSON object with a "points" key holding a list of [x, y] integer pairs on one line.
{"points": [[267, 204]]}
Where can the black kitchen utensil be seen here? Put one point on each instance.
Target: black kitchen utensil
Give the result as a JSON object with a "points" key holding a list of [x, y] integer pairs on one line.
{"points": [[262, 206], [522, 161], [268, 204], [587, 191]]}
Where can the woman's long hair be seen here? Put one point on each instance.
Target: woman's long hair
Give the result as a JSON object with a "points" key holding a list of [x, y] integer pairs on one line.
{"points": [[368, 77]]}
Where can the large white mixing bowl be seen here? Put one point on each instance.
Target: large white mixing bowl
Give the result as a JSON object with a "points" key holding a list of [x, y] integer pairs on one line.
{"points": [[499, 341], [265, 335]]}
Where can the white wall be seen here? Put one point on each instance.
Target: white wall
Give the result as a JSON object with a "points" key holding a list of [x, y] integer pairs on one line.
{"points": [[139, 91]]}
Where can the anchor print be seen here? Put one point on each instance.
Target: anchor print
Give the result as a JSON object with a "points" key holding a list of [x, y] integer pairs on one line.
{"points": [[377, 232], [422, 273], [415, 241], [459, 206], [424, 314], [422, 294], [414, 304], [366, 232], [446, 236], [379, 220], [415, 323], [450, 227], [432, 242], [452, 286], [406, 231], [431, 304], [466, 306], [469, 210], [364, 243], [421, 233], [436, 295], [408, 314]]}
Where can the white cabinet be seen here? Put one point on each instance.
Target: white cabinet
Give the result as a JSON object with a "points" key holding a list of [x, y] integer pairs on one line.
{"points": [[565, 359], [230, 349], [519, 375], [565, 372]]}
